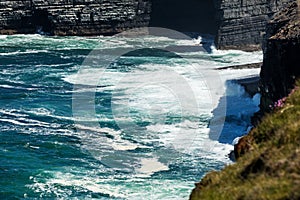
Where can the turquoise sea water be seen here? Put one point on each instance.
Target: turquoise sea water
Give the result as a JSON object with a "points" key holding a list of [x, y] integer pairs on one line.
{"points": [[144, 144]]}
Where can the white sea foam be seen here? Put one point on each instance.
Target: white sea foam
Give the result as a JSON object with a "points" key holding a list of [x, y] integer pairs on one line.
{"points": [[131, 92], [60, 182], [160, 145], [23, 52], [17, 122], [236, 140], [192, 42], [3, 37], [14, 87], [98, 136], [7, 86], [12, 112], [149, 166], [71, 180], [231, 74]]}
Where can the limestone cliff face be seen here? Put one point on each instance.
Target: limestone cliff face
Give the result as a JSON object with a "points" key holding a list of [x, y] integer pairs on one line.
{"points": [[94, 17], [73, 17], [281, 66], [242, 23], [236, 23]]}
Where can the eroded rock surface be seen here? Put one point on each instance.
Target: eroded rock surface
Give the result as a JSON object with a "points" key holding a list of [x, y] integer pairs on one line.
{"points": [[73, 17]]}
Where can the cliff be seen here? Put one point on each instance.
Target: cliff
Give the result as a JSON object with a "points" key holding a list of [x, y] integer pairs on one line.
{"points": [[236, 23], [242, 24], [73, 17], [94, 17], [281, 57], [268, 158]]}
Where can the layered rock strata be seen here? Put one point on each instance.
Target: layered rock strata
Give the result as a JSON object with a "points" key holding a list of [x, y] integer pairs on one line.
{"points": [[237, 24], [242, 24], [268, 156], [73, 17], [281, 65]]}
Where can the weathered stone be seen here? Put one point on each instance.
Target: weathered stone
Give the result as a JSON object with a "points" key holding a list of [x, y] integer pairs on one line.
{"points": [[242, 24], [73, 17], [237, 24], [281, 56]]}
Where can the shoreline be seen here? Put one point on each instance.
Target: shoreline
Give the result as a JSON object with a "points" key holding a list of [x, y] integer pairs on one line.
{"points": [[250, 84]]}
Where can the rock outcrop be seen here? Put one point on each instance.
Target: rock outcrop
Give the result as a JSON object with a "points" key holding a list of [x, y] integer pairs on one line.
{"points": [[242, 23], [73, 17], [269, 166], [268, 157], [281, 65], [236, 23]]}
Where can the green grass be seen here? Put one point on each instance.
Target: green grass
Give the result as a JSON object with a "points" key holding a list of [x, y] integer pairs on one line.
{"points": [[270, 168]]}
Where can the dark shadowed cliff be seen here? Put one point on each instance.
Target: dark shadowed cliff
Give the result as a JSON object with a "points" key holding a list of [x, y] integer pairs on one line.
{"points": [[281, 66]]}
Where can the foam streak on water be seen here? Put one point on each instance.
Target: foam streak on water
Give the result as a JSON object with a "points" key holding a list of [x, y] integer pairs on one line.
{"points": [[145, 146]]}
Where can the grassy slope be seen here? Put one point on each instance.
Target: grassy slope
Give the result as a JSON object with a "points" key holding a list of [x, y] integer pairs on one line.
{"points": [[271, 167]]}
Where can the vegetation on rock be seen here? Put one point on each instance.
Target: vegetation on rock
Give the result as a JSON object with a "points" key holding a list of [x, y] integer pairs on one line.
{"points": [[269, 166]]}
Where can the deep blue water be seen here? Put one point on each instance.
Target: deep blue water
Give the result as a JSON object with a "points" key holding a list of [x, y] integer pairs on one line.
{"points": [[140, 143]]}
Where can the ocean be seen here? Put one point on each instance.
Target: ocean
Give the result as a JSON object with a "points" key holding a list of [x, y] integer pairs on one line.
{"points": [[117, 117]]}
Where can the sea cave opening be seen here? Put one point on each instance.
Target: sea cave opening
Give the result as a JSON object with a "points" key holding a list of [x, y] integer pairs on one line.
{"points": [[40, 19], [198, 16]]}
